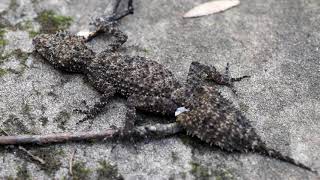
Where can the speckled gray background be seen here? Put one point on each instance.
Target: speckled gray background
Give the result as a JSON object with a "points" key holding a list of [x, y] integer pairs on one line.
{"points": [[274, 41]]}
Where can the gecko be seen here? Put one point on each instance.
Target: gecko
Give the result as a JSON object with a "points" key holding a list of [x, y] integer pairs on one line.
{"points": [[148, 86]]}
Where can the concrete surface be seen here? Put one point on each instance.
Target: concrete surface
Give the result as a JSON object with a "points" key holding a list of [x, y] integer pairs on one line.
{"points": [[276, 42]]}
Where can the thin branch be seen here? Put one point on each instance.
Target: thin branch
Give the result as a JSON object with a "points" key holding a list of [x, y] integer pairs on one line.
{"points": [[21, 148], [142, 131]]}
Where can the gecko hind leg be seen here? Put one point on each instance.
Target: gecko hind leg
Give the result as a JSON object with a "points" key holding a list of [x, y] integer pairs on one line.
{"points": [[227, 74], [199, 73], [154, 104], [227, 80]]}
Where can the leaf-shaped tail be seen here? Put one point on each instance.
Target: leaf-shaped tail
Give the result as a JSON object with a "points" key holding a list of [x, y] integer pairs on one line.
{"points": [[264, 150]]}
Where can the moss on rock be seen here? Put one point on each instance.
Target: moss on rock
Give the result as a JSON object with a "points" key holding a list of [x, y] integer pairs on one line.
{"points": [[62, 119], [51, 156], [51, 22], [79, 171], [23, 173], [3, 42], [3, 72], [106, 171], [199, 171]]}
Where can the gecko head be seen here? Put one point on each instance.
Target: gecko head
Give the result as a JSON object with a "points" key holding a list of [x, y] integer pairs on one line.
{"points": [[64, 51]]}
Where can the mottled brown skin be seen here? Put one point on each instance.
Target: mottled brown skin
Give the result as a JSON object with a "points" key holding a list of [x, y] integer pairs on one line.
{"points": [[131, 75], [148, 86], [216, 121], [63, 51]]}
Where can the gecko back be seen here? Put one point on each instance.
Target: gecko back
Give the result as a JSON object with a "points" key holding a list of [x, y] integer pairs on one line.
{"points": [[132, 75]]}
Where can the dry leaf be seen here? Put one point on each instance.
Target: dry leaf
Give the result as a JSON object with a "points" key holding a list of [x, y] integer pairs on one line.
{"points": [[211, 8]]}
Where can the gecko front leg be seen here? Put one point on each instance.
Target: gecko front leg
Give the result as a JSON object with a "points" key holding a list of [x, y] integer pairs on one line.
{"points": [[108, 25], [98, 107]]}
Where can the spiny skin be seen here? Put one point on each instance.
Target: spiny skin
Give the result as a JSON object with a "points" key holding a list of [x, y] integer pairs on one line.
{"points": [[214, 119], [131, 75], [148, 86], [109, 71], [64, 52], [128, 75]]}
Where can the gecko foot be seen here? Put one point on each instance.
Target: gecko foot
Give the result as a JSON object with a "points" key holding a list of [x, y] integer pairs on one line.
{"points": [[227, 80]]}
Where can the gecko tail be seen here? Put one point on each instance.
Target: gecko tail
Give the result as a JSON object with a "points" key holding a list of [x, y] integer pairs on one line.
{"points": [[264, 150]]}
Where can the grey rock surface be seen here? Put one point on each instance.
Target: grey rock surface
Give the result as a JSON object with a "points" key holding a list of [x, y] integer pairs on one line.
{"points": [[275, 42]]}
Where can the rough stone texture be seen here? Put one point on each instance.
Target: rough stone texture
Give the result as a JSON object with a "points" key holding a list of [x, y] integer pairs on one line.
{"points": [[276, 42]]}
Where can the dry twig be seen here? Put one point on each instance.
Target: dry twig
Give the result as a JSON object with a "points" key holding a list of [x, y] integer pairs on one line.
{"points": [[21, 148], [140, 131], [71, 162], [34, 157]]}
